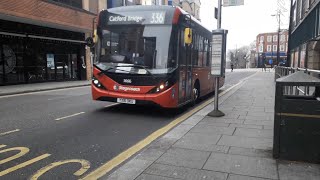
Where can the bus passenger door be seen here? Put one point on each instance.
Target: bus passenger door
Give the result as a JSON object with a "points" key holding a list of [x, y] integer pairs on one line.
{"points": [[182, 68], [185, 70]]}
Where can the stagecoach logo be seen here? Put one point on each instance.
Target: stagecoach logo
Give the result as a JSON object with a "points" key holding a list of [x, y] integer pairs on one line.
{"points": [[124, 88], [127, 81]]}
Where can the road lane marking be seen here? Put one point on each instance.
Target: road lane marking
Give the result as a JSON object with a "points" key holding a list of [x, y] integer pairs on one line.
{"points": [[23, 151], [76, 114], [85, 165], [110, 105], [38, 92], [24, 164], [9, 132], [108, 166], [2, 146]]}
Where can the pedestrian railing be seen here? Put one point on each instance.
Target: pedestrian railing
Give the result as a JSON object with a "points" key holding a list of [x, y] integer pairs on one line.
{"points": [[281, 71]]}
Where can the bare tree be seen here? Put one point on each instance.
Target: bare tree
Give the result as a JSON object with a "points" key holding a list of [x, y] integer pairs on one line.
{"points": [[239, 56]]}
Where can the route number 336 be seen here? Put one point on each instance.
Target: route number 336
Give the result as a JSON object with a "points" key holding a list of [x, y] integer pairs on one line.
{"points": [[157, 18]]}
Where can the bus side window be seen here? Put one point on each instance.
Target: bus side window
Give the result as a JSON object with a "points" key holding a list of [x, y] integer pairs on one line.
{"points": [[182, 59]]}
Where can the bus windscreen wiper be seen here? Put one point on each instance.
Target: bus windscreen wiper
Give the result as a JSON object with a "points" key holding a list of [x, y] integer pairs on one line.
{"points": [[115, 68], [141, 67]]}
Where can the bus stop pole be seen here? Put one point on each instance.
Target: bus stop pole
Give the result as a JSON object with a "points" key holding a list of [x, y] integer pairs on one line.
{"points": [[216, 112]]}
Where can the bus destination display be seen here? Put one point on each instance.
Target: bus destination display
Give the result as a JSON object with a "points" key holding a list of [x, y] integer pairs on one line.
{"points": [[137, 18]]}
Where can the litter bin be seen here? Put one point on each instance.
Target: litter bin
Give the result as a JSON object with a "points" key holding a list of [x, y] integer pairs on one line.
{"points": [[297, 118]]}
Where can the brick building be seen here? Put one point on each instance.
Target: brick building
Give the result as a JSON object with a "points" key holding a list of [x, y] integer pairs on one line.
{"points": [[267, 46], [190, 6], [304, 45], [44, 40]]}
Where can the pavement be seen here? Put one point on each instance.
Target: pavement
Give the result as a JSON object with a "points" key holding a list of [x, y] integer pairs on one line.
{"points": [[35, 87], [237, 146]]}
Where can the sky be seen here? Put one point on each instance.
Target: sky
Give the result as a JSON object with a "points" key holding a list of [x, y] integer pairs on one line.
{"points": [[245, 22]]}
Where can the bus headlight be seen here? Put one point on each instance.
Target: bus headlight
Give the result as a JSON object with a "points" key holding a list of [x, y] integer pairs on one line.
{"points": [[97, 83], [161, 87]]}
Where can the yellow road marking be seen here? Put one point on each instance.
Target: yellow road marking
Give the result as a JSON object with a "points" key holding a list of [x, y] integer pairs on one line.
{"points": [[299, 115], [85, 165], [108, 166], [38, 92], [24, 164], [110, 105], [9, 132], [23, 151], [76, 114]]}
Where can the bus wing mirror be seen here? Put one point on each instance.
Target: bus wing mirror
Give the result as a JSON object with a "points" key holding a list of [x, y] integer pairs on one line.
{"points": [[188, 35], [90, 42]]}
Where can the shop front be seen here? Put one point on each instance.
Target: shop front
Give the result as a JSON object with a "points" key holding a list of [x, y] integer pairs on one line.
{"points": [[31, 53]]}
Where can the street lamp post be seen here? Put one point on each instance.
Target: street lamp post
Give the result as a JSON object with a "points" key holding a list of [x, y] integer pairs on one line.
{"points": [[278, 44]]}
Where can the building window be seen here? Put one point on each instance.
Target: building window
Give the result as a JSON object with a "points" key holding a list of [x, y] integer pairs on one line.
{"points": [[269, 48], [294, 19], [275, 38], [261, 38], [282, 48], [73, 3], [269, 39], [261, 48], [274, 47], [282, 37]]}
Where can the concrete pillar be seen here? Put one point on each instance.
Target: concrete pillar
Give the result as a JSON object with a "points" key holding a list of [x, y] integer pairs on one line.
{"points": [[88, 60]]}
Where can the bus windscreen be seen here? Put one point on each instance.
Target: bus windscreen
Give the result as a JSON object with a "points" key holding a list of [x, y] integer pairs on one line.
{"points": [[143, 45]]}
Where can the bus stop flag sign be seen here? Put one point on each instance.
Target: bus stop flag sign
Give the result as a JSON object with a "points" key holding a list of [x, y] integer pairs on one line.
{"points": [[218, 56]]}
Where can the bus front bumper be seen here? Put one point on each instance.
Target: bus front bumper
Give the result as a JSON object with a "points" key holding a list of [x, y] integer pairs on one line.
{"points": [[166, 99]]}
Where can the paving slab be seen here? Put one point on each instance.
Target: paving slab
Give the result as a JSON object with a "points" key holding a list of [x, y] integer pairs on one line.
{"points": [[184, 173], [184, 158], [240, 177], [202, 142], [245, 132], [298, 171], [178, 131], [251, 152], [130, 170], [163, 143], [243, 165], [248, 126], [246, 142], [150, 154], [193, 120], [261, 123], [208, 120], [259, 118], [212, 130], [153, 177]]}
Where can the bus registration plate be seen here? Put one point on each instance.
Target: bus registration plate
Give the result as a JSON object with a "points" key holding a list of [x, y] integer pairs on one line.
{"points": [[126, 101]]}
